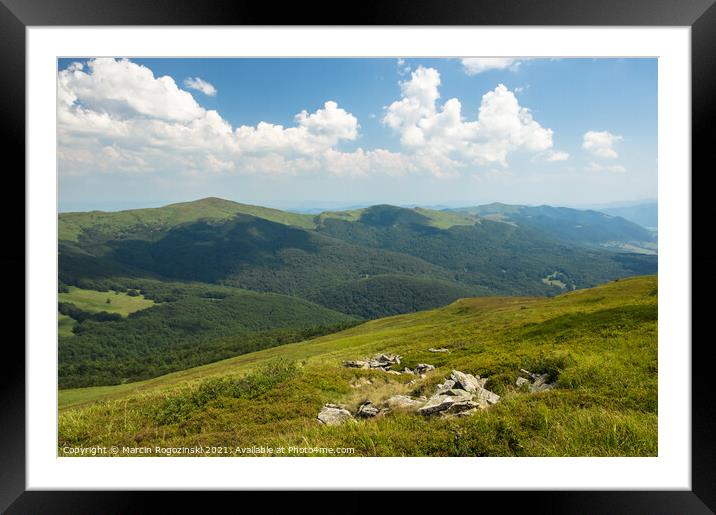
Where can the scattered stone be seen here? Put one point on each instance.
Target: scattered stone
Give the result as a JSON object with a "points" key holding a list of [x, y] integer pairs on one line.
{"points": [[367, 410], [334, 415], [438, 350], [438, 402], [465, 381], [394, 372], [444, 387], [536, 382], [461, 393], [404, 402], [381, 361], [406, 370], [486, 397], [422, 368], [522, 381]]}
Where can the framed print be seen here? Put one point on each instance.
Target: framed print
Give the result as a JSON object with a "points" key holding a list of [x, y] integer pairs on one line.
{"points": [[448, 240]]}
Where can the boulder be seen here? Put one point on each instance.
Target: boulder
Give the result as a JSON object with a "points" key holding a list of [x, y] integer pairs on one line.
{"points": [[486, 397], [536, 382], [438, 402], [381, 361], [422, 368], [521, 381], [404, 402], [438, 350], [406, 370], [444, 387], [467, 382], [334, 415], [367, 410]]}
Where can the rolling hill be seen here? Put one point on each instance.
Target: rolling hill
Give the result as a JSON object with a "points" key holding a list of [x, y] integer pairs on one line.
{"points": [[215, 268], [574, 226], [599, 346]]}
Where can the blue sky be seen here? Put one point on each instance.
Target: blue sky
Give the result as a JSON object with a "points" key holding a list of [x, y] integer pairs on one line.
{"points": [[415, 131]]}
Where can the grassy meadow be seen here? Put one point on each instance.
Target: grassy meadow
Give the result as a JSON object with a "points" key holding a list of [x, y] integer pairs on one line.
{"points": [[96, 301], [598, 344]]}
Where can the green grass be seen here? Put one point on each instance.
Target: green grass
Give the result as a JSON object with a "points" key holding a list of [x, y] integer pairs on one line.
{"points": [[65, 325], [600, 345], [96, 301]]}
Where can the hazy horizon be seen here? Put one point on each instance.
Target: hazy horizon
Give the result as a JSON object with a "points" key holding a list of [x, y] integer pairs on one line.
{"points": [[318, 206]]}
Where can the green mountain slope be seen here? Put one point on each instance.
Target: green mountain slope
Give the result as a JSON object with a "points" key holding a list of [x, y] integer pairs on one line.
{"points": [[147, 222], [504, 258], [211, 241], [585, 227], [385, 295], [599, 345]]}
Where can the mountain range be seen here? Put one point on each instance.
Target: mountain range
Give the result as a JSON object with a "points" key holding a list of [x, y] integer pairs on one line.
{"points": [[267, 270]]}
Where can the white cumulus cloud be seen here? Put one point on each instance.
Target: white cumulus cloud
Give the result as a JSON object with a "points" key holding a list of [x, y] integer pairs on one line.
{"points": [[114, 115], [200, 85], [443, 135], [476, 65], [601, 143]]}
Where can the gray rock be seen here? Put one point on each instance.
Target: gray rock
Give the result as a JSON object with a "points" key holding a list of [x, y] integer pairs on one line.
{"points": [[406, 370], [537, 382], [444, 387], [394, 372], [404, 402], [486, 397], [438, 403], [367, 410], [467, 382], [381, 361], [438, 350], [334, 415], [422, 368]]}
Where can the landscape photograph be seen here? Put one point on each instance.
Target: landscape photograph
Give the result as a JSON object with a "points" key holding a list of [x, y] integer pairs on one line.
{"points": [[357, 257]]}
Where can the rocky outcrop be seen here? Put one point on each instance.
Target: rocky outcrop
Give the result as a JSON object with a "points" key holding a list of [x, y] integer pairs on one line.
{"points": [[381, 361], [460, 394], [334, 415], [535, 383]]}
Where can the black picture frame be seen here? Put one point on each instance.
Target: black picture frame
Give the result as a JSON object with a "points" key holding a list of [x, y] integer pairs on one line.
{"points": [[17, 15]]}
